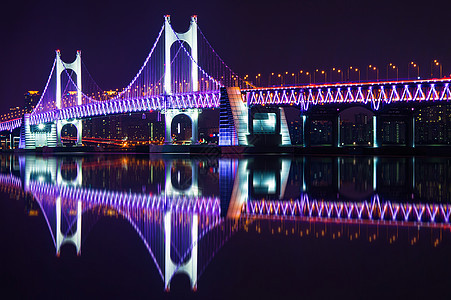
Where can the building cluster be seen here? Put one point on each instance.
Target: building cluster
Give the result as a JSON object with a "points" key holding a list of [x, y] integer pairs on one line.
{"points": [[31, 98], [433, 125], [359, 132]]}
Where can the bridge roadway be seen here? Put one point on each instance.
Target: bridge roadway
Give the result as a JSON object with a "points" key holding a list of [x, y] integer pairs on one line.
{"points": [[304, 97], [363, 93]]}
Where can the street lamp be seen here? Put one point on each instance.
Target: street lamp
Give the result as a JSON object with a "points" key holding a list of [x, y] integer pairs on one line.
{"points": [[309, 77], [437, 63], [395, 67], [413, 65], [369, 68], [349, 73], [325, 76], [258, 79], [269, 79], [314, 76], [357, 70], [339, 72], [299, 77]]}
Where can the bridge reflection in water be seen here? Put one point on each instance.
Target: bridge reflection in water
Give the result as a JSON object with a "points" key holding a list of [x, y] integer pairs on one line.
{"points": [[184, 210]]}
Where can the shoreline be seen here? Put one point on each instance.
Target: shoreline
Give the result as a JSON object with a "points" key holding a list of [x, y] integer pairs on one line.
{"points": [[213, 150]]}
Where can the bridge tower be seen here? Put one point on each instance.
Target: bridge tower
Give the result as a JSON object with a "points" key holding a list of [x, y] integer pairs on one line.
{"points": [[189, 37], [49, 134], [61, 67], [190, 266]]}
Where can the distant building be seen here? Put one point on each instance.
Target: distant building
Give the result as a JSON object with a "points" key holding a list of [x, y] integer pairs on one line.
{"points": [[433, 125], [321, 132], [295, 129], [31, 100], [358, 132], [394, 132]]}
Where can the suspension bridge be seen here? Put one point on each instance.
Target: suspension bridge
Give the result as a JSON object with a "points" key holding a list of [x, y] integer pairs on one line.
{"points": [[183, 74]]}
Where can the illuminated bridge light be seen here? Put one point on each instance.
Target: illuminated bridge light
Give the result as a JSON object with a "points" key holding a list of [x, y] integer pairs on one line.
{"points": [[365, 210]]}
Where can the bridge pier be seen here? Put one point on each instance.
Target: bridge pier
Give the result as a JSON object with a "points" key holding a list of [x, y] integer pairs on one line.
{"points": [[170, 114], [41, 135], [241, 125], [78, 125]]}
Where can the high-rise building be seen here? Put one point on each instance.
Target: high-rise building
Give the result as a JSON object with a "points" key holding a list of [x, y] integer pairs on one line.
{"points": [[295, 129], [31, 99], [433, 125]]}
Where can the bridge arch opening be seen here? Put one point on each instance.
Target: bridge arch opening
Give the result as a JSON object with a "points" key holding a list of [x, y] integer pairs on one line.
{"points": [[181, 67], [181, 129], [69, 135], [69, 90], [356, 127]]}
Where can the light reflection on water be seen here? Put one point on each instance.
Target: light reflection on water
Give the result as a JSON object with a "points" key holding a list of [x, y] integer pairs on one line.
{"points": [[185, 210]]}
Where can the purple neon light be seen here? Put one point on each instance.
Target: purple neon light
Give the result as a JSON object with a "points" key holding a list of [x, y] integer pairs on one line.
{"points": [[10, 124], [46, 86], [199, 205], [366, 210], [368, 93]]}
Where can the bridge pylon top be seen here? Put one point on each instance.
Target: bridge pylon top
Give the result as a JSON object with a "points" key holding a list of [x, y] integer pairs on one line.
{"points": [[168, 18]]}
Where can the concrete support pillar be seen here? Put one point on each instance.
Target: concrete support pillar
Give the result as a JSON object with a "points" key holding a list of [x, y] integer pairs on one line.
{"points": [[194, 130], [375, 133], [79, 126], [335, 131], [167, 124], [59, 127], [307, 129], [303, 120], [410, 128]]}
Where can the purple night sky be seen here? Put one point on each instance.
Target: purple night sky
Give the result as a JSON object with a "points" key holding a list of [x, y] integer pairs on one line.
{"points": [[251, 36]]}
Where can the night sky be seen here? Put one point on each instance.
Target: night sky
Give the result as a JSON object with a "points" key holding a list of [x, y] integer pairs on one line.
{"points": [[251, 36]]}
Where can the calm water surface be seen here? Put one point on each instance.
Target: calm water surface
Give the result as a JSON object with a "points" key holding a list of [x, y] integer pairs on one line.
{"points": [[130, 226]]}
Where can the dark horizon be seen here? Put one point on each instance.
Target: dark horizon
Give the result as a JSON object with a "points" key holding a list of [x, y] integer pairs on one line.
{"points": [[250, 37]]}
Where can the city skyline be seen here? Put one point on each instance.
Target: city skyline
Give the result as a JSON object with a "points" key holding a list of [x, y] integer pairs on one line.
{"points": [[409, 32]]}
